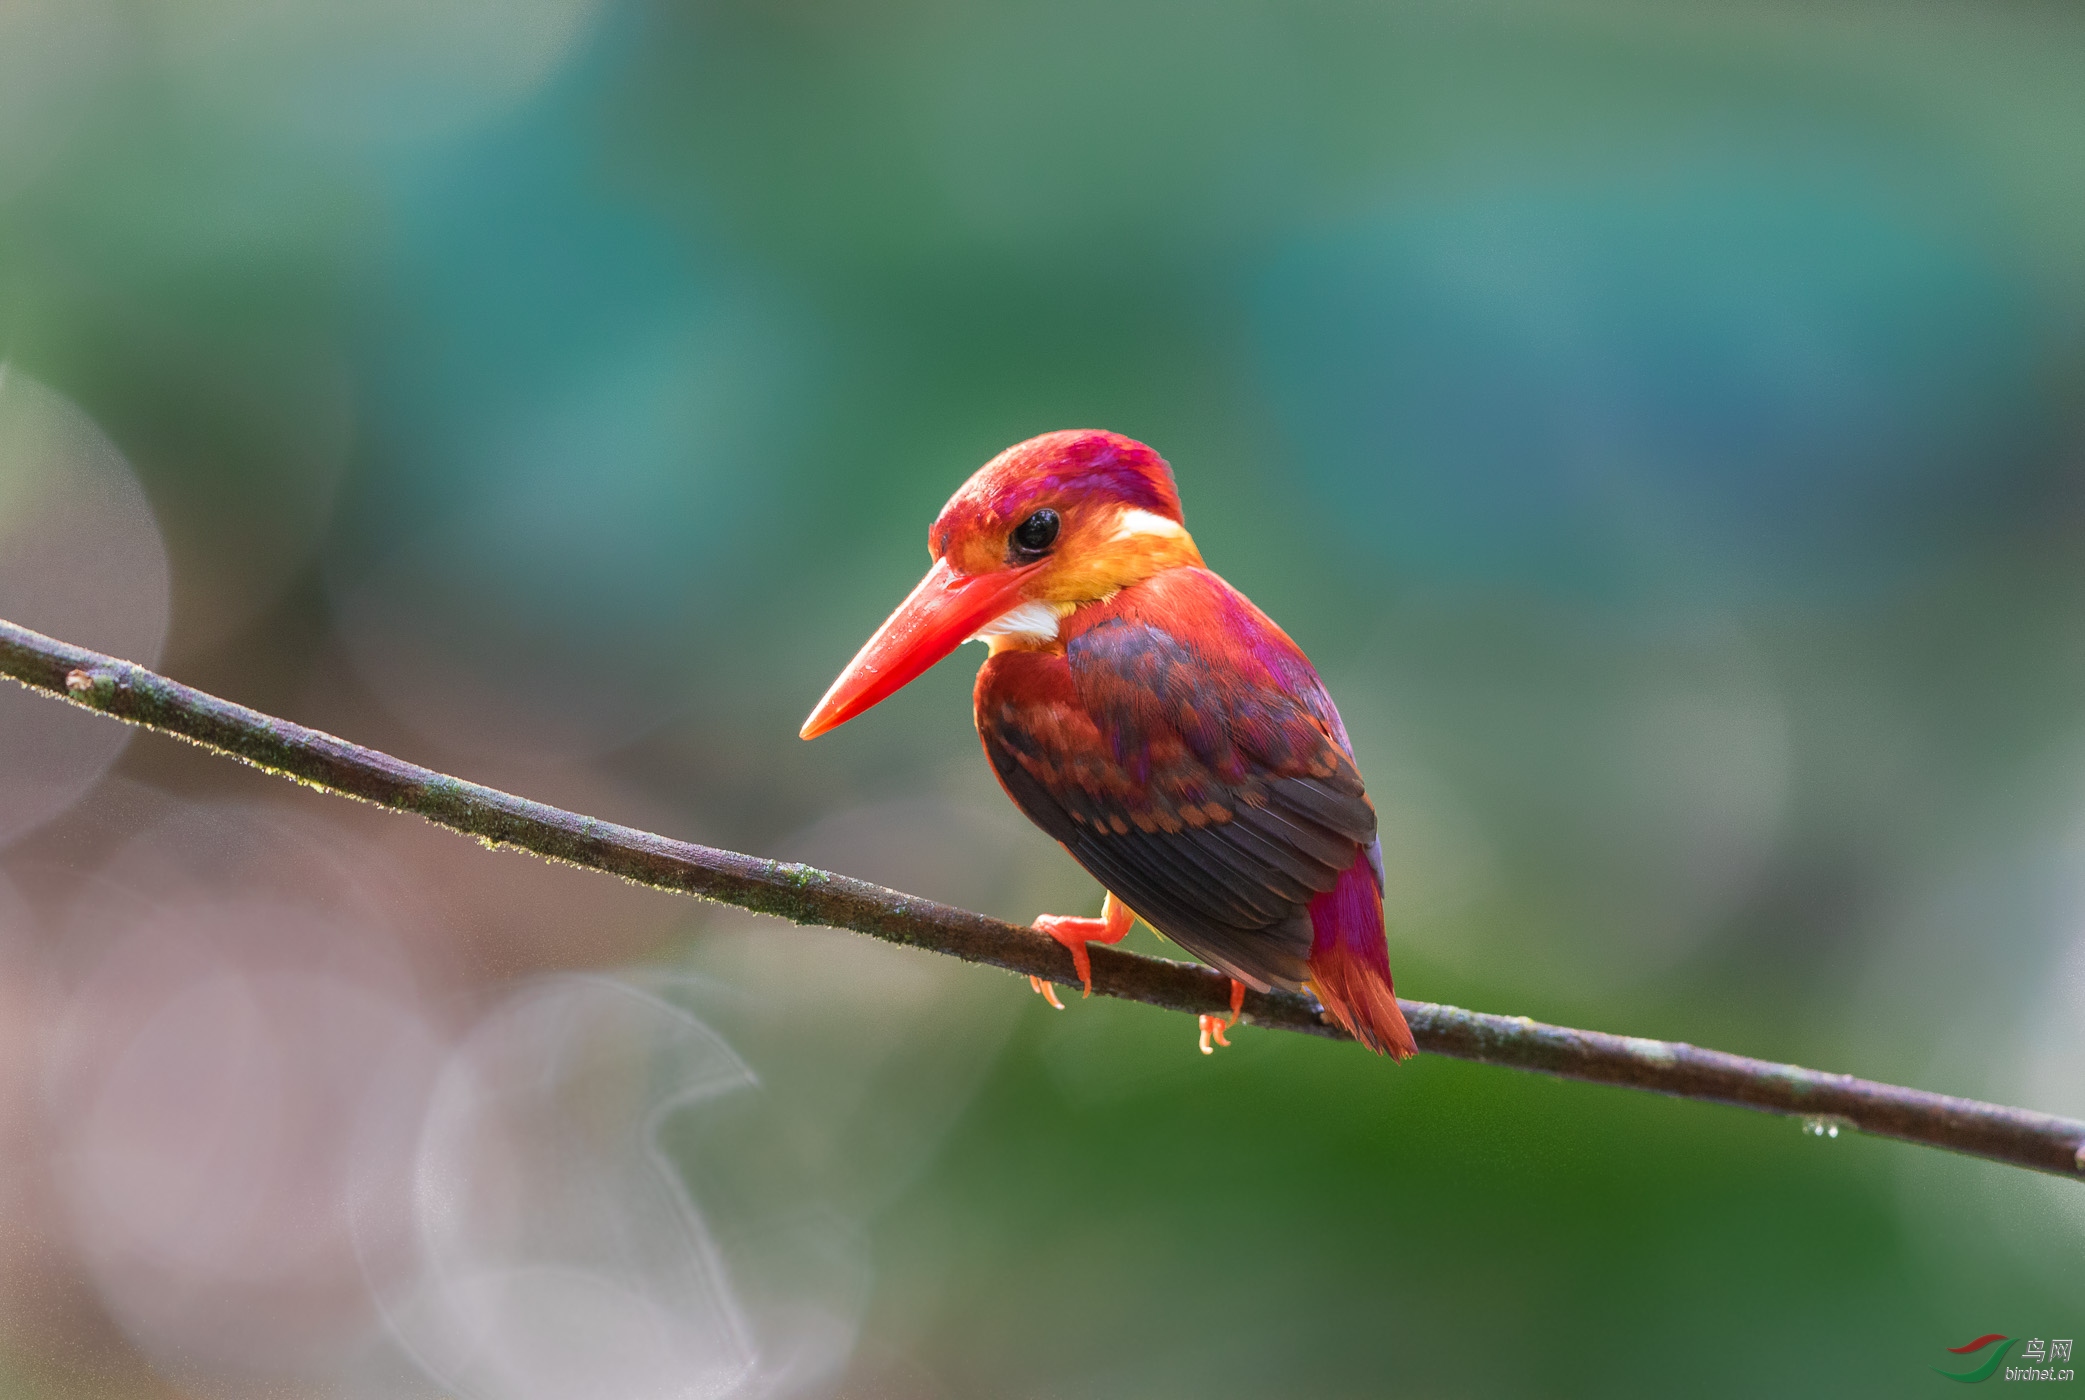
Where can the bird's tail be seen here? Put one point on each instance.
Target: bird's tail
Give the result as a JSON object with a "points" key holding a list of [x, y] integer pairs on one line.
{"points": [[1350, 960]]}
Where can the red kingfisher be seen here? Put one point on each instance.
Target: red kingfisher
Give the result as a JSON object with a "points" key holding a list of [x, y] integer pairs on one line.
{"points": [[1144, 713]]}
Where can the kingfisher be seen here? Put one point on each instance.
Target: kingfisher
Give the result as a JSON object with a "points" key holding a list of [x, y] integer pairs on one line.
{"points": [[1162, 729]]}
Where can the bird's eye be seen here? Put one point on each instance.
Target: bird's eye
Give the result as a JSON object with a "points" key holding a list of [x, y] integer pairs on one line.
{"points": [[1037, 532]]}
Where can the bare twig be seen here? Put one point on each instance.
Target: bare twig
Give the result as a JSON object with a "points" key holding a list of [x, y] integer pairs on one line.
{"points": [[809, 896]]}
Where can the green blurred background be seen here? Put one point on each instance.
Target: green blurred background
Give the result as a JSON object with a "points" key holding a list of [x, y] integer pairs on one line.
{"points": [[1663, 424]]}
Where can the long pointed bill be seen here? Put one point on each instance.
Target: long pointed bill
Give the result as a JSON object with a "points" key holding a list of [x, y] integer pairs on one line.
{"points": [[942, 613]]}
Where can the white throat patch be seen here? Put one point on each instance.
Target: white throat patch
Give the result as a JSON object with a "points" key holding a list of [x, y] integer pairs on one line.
{"points": [[1030, 622]]}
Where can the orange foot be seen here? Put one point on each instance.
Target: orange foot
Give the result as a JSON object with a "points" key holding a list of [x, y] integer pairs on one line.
{"points": [[1075, 933], [1213, 1027]]}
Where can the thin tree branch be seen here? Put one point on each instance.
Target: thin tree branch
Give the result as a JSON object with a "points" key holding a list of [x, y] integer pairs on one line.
{"points": [[1833, 1102]]}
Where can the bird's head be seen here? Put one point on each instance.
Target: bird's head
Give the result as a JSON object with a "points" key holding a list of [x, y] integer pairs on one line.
{"points": [[1049, 524]]}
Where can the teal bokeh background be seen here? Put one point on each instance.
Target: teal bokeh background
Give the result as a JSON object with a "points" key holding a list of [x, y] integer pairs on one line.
{"points": [[1664, 427]]}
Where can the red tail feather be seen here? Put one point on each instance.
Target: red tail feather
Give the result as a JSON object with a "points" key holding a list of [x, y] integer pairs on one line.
{"points": [[1350, 961]]}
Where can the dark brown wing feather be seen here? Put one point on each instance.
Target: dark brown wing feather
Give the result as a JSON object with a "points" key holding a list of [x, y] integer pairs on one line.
{"points": [[1186, 754]]}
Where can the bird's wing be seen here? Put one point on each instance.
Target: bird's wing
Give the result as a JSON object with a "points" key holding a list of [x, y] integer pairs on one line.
{"points": [[1186, 754]]}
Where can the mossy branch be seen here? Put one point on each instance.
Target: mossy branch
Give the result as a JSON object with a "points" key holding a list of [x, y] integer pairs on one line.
{"points": [[806, 895]]}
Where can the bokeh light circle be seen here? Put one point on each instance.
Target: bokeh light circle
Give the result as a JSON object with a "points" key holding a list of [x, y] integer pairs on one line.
{"points": [[603, 1201], [80, 559], [223, 1090]]}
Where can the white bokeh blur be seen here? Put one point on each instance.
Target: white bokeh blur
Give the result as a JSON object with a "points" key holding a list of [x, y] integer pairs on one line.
{"points": [[382, 71], [598, 1179], [877, 1047], [288, 1151], [242, 1047], [81, 559]]}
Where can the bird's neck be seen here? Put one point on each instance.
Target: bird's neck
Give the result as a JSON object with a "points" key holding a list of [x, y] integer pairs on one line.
{"points": [[1046, 625], [1141, 545]]}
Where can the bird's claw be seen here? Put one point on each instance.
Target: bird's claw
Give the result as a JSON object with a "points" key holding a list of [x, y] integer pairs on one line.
{"points": [[1046, 990], [1214, 1026], [1075, 933]]}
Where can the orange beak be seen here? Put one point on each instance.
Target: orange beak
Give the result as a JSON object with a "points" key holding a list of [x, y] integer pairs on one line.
{"points": [[942, 613]]}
